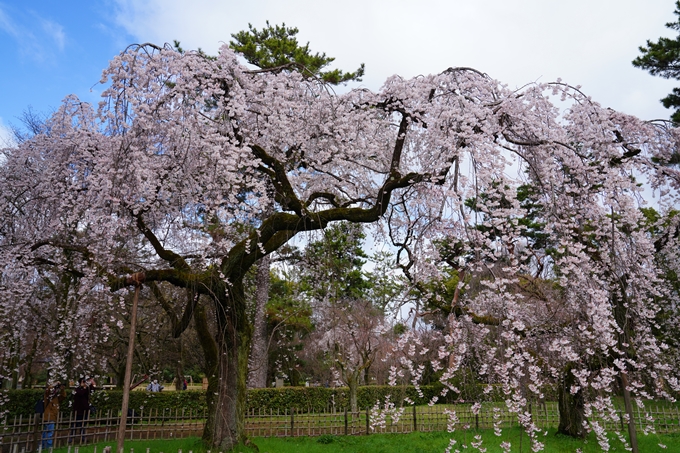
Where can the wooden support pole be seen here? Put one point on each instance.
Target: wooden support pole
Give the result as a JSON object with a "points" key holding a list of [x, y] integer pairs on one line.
{"points": [[120, 438], [629, 410]]}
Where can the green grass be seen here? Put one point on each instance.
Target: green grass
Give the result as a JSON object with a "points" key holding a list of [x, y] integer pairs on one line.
{"points": [[398, 443]]}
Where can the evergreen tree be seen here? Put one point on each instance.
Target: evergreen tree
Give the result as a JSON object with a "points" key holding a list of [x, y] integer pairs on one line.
{"points": [[277, 47], [662, 58]]}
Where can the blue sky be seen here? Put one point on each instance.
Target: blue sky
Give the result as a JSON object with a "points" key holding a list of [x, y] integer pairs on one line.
{"points": [[51, 49]]}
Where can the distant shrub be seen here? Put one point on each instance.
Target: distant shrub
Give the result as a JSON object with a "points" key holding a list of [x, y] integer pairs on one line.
{"points": [[302, 399]]}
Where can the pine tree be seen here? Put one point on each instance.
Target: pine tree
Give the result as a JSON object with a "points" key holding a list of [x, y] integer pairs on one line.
{"points": [[662, 58]]}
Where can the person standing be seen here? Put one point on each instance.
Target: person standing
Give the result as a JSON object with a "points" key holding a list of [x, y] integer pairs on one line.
{"points": [[54, 395], [81, 405], [154, 386]]}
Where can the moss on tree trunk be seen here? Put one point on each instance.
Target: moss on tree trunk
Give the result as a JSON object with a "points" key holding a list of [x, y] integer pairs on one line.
{"points": [[226, 367]]}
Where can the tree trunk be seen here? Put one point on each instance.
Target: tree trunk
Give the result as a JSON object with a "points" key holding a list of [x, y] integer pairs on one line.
{"points": [[14, 367], [257, 373], [225, 427], [209, 348], [179, 368], [120, 375], [367, 370], [571, 407], [28, 365], [353, 384]]}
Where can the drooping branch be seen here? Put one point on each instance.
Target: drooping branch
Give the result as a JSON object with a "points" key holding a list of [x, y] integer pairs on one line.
{"points": [[174, 259], [179, 325]]}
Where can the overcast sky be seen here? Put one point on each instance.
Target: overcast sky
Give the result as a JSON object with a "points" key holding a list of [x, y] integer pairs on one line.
{"points": [[50, 49]]}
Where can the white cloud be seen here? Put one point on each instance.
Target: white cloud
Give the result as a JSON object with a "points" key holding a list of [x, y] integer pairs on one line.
{"points": [[516, 41], [6, 23], [55, 31], [32, 33], [6, 136]]}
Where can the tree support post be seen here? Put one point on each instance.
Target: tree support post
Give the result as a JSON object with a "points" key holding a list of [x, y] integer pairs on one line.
{"points": [[120, 438], [629, 411]]}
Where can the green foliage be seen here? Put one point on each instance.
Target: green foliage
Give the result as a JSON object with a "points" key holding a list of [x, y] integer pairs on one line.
{"points": [[321, 398], [284, 307], [531, 225], [385, 288], [334, 264], [190, 400], [22, 402], [289, 322], [400, 328], [276, 46], [326, 439], [662, 58], [19, 402]]}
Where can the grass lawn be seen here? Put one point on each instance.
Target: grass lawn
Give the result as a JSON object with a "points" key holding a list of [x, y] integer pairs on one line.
{"points": [[399, 443]]}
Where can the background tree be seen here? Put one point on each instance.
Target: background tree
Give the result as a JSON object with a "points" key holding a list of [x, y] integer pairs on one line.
{"points": [[276, 48], [351, 336], [289, 323], [662, 58], [332, 266]]}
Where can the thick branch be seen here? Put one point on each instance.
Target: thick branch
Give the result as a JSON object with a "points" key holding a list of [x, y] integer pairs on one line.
{"points": [[175, 260], [176, 277]]}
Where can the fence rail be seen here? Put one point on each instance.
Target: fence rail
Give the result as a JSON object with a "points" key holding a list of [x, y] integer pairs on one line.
{"points": [[26, 434], [32, 434]]}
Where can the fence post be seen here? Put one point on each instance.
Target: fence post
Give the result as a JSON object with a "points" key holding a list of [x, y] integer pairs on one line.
{"points": [[415, 421], [368, 416], [345, 420], [37, 418], [292, 420]]}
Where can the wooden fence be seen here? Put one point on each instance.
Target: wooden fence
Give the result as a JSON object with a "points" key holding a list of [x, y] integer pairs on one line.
{"points": [[29, 433], [24, 434], [295, 422]]}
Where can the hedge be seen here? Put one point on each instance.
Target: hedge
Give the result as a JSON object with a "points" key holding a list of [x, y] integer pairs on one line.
{"points": [[22, 402], [323, 398]]}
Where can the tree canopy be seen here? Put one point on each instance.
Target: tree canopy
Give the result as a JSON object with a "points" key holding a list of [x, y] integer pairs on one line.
{"points": [[192, 168]]}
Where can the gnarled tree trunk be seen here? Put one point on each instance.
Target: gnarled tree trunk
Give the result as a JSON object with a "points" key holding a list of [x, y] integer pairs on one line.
{"points": [[257, 372], [571, 407], [225, 427], [209, 347]]}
